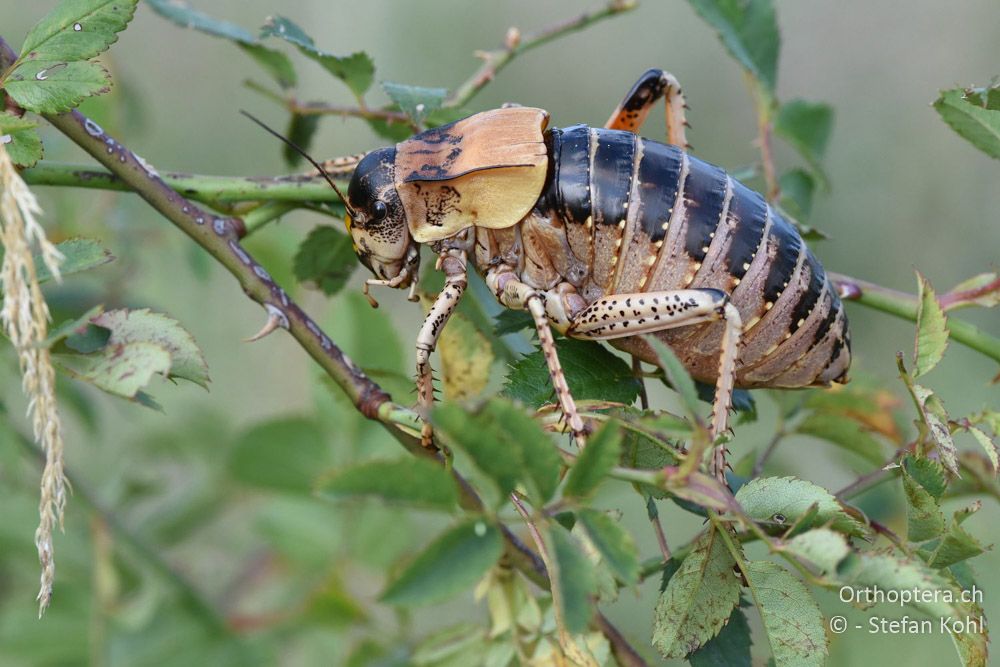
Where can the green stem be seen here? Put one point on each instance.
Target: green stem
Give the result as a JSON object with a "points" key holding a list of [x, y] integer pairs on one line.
{"points": [[254, 220], [197, 187], [496, 60], [905, 306]]}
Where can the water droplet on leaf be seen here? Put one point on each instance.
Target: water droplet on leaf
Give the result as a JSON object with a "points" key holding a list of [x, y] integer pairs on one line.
{"points": [[77, 27]]}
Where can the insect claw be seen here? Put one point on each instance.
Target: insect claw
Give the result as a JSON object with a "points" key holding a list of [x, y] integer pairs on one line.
{"points": [[272, 323]]}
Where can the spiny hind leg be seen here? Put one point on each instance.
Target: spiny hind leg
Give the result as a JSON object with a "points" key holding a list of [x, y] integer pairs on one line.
{"points": [[453, 264], [624, 315], [651, 86], [513, 293]]}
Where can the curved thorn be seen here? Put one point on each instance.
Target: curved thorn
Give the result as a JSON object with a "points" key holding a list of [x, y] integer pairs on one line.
{"points": [[272, 323]]}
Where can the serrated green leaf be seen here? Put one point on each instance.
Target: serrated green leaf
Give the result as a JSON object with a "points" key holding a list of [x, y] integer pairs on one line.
{"points": [[409, 482], [792, 620], [325, 259], [698, 599], [301, 130], [181, 13], [62, 85], [592, 372], [977, 125], [677, 375], [452, 563], [749, 31], [594, 462], [542, 463], [20, 140], [77, 29], [797, 189], [274, 62], [957, 544], [357, 70], [807, 127], [990, 447], [765, 497], [845, 433], [576, 578], [924, 518], [823, 548], [283, 454], [123, 369], [613, 542], [729, 648], [932, 330], [78, 255], [415, 101], [928, 473], [126, 326]]}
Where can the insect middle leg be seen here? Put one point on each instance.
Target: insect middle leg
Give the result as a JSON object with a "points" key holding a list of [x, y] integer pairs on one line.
{"points": [[453, 263], [651, 86], [622, 315], [515, 294]]}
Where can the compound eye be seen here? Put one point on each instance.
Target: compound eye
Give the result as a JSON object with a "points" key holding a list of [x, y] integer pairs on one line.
{"points": [[379, 210]]}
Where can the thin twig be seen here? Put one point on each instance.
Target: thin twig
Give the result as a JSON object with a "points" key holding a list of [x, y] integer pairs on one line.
{"points": [[758, 466], [323, 109], [765, 112], [653, 514], [516, 44]]}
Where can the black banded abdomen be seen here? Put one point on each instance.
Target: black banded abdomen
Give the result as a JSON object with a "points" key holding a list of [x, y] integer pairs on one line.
{"points": [[647, 217]]}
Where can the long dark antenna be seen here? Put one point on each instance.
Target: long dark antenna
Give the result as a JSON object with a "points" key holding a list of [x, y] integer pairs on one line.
{"points": [[300, 151]]}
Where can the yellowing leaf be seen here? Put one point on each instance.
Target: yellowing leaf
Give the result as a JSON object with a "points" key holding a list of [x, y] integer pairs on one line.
{"points": [[466, 359]]}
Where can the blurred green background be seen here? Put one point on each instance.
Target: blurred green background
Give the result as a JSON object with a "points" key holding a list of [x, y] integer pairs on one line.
{"points": [[295, 577]]}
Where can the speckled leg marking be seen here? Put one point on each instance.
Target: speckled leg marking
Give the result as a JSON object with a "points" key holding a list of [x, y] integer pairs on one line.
{"points": [[515, 294], [453, 264], [650, 312], [651, 86]]}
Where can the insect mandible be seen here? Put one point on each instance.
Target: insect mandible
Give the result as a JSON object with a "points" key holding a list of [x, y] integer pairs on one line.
{"points": [[603, 235]]}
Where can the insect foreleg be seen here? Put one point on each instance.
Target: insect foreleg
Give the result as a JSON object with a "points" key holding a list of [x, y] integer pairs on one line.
{"points": [[515, 294], [453, 263], [651, 86], [649, 312]]}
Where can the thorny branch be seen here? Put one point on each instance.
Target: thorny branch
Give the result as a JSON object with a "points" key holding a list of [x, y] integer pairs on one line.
{"points": [[220, 237]]}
